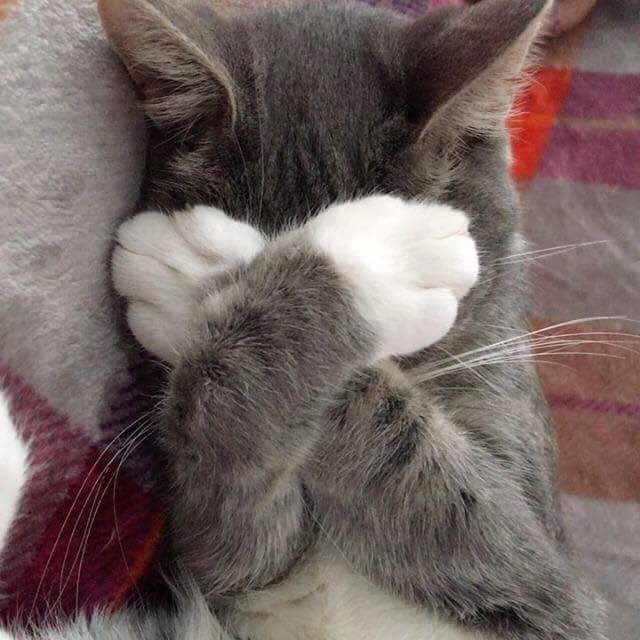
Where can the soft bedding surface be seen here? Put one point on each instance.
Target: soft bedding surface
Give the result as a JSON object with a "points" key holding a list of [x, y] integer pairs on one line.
{"points": [[71, 154]]}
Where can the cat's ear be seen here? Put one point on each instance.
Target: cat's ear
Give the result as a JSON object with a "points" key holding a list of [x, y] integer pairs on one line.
{"points": [[171, 59], [464, 64]]}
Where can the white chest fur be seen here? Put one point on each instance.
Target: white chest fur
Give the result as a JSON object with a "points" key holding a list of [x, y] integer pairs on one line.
{"points": [[327, 600]]}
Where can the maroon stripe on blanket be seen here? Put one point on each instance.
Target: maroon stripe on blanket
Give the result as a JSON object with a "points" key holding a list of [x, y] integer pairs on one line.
{"points": [[58, 450], [89, 547], [592, 155], [602, 95], [73, 482]]}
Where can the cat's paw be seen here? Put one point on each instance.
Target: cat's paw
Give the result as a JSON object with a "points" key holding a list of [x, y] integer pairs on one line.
{"points": [[161, 262], [409, 264]]}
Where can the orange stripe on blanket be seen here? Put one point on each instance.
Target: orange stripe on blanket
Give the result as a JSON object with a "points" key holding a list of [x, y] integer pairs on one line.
{"points": [[5, 8], [140, 566], [535, 111], [598, 454]]}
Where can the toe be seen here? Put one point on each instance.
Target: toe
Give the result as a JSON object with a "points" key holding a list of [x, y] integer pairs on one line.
{"points": [[451, 263], [139, 277], [216, 236], [155, 235]]}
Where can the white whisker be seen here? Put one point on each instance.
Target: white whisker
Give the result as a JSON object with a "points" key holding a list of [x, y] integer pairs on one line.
{"points": [[549, 251]]}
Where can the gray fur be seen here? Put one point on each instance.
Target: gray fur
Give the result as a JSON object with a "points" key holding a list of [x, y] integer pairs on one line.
{"points": [[441, 490]]}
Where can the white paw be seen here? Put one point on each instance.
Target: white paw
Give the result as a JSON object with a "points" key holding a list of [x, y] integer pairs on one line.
{"points": [[13, 470], [161, 262], [409, 264]]}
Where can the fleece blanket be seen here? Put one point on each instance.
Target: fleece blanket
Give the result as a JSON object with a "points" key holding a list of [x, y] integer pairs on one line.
{"points": [[71, 153]]}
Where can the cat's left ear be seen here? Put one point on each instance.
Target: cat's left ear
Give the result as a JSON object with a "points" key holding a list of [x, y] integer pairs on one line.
{"points": [[171, 58], [463, 65]]}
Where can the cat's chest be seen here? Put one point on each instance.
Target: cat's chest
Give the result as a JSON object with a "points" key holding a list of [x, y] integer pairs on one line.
{"points": [[326, 600]]}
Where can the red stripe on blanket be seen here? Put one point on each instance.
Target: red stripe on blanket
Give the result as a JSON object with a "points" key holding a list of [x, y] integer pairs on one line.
{"points": [[535, 111], [598, 455]]}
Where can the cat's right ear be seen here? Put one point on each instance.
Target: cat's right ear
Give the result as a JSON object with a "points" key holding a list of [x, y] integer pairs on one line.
{"points": [[172, 61], [465, 63]]}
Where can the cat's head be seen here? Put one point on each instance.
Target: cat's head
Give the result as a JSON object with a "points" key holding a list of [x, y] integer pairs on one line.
{"points": [[275, 112]]}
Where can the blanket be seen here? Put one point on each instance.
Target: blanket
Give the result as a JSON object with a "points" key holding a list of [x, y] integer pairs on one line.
{"points": [[89, 533]]}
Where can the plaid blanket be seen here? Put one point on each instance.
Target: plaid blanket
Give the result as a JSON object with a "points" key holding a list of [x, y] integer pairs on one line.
{"points": [[90, 530]]}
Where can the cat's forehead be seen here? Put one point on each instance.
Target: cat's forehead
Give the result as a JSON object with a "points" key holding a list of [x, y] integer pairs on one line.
{"points": [[316, 25], [343, 55], [318, 93]]}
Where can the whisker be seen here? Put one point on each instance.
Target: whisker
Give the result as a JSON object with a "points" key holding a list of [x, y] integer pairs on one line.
{"points": [[246, 169], [115, 515], [94, 487], [532, 349], [536, 332], [263, 179], [472, 369], [93, 512], [540, 253], [72, 507]]}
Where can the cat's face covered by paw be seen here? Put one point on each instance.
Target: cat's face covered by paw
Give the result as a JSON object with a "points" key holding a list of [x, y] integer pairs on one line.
{"points": [[275, 113]]}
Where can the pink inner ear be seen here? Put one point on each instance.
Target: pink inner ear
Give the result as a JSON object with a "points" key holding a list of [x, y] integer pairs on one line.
{"points": [[118, 19], [114, 15]]}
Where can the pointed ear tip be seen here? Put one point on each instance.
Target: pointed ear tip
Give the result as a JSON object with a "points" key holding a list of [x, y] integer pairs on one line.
{"points": [[546, 5], [109, 11], [541, 11], [544, 8], [115, 14], [545, 12]]}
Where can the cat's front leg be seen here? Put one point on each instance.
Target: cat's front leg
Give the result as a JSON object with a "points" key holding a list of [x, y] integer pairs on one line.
{"points": [[430, 513]]}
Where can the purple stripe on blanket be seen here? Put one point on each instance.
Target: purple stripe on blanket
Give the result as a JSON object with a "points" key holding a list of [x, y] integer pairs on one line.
{"points": [[414, 7], [420, 6], [602, 95], [594, 405], [593, 156]]}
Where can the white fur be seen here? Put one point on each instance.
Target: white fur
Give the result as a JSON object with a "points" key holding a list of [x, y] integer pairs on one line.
{"points": [[13, 470], [408, 263], [161, 261], [327, 600], [13, 476]]}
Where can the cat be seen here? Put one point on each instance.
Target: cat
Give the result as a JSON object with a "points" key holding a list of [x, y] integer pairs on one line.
{"points": [[327, 205]]}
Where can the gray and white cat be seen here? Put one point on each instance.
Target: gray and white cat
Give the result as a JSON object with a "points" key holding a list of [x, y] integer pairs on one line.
{"points": [[328, 202]]}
